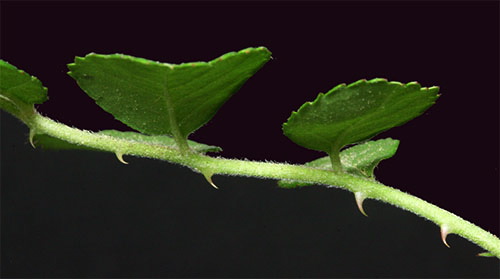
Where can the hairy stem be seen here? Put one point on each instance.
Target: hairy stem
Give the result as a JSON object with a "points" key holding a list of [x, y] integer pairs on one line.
{"points": [[370, 188], [335, 160]]}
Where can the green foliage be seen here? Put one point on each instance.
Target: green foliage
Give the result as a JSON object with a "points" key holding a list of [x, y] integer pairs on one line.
{"points": [[48, 142], [359, 111], [19, 92], [169, 102], [165, 99], [359, 160]]}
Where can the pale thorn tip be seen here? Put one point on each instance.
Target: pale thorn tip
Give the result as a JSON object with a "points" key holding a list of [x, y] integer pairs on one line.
{"points": [[360, 197], [209, 179], [444, 233], [31, 137], [119, 156]]}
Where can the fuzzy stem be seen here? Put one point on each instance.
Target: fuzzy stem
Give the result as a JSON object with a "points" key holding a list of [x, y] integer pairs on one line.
{"points": [[335, 160], [370, 188]]}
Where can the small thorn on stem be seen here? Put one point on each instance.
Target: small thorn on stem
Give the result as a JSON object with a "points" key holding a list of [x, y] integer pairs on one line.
{"points": [[31, 137], [208, 177], [119, 156], [485, 254], [360, 197], [444, 233]]}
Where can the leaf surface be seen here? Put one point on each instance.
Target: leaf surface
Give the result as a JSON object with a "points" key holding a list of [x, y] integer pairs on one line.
{"points": [[359, 111], [359, 160], [165, 99], [48, 142], [19, 91]]}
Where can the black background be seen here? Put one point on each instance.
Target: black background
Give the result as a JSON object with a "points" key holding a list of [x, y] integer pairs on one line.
{"points": [[76, 213]]}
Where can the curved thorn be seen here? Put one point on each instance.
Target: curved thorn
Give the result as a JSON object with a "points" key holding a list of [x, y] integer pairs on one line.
{"points": [[485, 254], [31, 137], [208, 177], [444, 233], [119, 156], [360, 197]]}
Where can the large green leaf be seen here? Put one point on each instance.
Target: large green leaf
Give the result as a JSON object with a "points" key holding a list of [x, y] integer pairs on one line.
{"points": [[49, 142], [359, 160], [19, 91], [359, 111], [165, 99]]}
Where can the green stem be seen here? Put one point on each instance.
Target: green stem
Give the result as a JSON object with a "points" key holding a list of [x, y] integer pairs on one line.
{"points": [[335, 159], [370, 188]]}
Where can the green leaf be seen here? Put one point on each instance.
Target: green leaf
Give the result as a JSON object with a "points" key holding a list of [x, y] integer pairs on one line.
{"points": [[19, 92], [48, 142], [165, 99], [353, 113], [359, 160]]}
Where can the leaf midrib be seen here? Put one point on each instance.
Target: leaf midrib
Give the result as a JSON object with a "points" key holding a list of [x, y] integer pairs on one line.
{"points": [[342, 135], [180, 140]]}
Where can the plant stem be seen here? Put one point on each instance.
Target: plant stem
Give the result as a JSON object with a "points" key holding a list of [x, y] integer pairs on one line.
{"points": [[335, 160], [370, 188]]}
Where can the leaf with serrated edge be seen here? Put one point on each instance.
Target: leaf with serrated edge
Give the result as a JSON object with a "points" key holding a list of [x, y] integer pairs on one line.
{"points": [[19, 91], [359, 160], [359, 111], [48, 142], [158, 98]]}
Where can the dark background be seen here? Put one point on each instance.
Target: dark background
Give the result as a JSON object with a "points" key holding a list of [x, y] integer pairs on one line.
{"points": [[76, 213]]}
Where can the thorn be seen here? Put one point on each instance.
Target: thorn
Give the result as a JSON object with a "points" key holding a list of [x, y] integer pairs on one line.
{"points": [[208, 177], [360, 197], [444, 233], [31, 137], [485, 254], [119, 156]]}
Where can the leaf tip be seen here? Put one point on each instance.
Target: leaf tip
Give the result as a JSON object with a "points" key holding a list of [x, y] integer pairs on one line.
{"points": [[434, 90], [360, 198], [263, 48], [375, 80], [398, 83], [255, 50], [356, 83], [79, 59], [445, 231], [414, 85]]}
